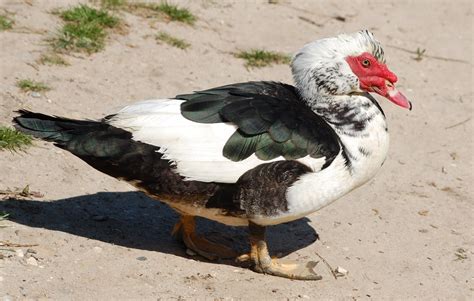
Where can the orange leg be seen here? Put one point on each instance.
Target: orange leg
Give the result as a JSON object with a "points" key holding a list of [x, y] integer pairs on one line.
{"points": [[186, 228], [263, 263]]}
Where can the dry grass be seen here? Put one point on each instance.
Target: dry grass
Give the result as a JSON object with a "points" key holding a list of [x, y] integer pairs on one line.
{"points": [[52, 59]]}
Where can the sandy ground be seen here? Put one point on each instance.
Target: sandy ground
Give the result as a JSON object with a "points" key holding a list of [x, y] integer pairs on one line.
{"points": [[96, 238]]}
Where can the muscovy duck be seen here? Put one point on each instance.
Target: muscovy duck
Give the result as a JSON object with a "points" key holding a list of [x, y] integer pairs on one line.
{"points": [[248, 154]]}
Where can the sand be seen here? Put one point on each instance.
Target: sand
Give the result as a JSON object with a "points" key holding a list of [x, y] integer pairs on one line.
{"points": [[407, 234]]}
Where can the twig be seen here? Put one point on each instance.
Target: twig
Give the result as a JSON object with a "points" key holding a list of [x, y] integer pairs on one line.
{"points": [[25, 192], [430, 56], [310, 21], [328, 265], [13, 245], [33, 66], [457, 124], [28, 30]]}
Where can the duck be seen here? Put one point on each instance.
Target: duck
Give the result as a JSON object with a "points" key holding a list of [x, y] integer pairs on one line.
{"points": [[251, 154]]}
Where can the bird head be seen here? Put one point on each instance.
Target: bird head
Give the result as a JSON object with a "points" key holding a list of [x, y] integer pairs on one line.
{"points": [[343, 65]]}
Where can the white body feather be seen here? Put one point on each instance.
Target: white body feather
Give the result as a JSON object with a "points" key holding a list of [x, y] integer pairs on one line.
{"points": [[196, 149], [316, 190]]}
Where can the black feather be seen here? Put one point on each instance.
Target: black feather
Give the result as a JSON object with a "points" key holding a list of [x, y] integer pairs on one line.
{"points": [[279, 132], [240, 146], [271, 118]]}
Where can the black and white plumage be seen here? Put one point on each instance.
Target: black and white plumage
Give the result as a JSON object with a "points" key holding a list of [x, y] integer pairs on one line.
{"points": [[258, 153]]}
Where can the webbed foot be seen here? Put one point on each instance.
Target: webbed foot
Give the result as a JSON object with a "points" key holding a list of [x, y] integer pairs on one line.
{"points": [[263, 263], [186, 229]]}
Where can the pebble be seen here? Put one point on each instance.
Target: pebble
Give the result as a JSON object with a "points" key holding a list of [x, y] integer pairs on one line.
{"points": [[20, 253], [141, 258], [35, 94], [341, 271], [32, 261], [97, 249]]}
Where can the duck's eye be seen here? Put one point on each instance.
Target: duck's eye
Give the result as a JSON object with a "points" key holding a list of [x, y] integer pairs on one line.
{"points": [[366, 63]]}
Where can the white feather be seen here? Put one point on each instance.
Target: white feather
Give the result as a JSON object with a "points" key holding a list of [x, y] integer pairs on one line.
{"points": [[316, 190], [195, 148]]}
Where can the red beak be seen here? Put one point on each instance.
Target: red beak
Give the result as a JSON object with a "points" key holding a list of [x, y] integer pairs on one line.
{"points": [[396, 96]]}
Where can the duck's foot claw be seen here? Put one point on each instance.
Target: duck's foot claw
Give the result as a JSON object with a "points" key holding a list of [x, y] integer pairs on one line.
{"points": [[261, 262], [288, 269]]}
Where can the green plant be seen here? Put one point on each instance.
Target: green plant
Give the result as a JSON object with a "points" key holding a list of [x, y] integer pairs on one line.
{"points": [[4, 215], [176, 13], [261, 58], [52, 59], [13, 140], [27, 85], [5, 23], [85, 29], [113, 4], [170, 11], [84, 14], [172, 41], [420, 54]]}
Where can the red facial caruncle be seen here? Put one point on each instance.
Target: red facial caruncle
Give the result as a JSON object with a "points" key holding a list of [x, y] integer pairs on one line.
{"points": [[375, 77]]}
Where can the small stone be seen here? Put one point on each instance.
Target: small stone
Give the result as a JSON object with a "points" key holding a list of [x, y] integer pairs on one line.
{"points": [[30, 251], [32, 261], [35, 94], [141, 258], [97, 249], [190, 252], [20, 253], [340, 272]]}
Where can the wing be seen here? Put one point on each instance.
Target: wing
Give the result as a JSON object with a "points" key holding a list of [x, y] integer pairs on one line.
{"points": [[219, 134], [271, 121]]}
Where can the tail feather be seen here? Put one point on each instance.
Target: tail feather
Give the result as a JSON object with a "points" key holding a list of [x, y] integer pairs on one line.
{"points": [[80, 137], [112, 151], [103, 146], [51, 128]]}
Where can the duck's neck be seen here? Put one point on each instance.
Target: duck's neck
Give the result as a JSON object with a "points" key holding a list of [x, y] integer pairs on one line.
{"points": [[360, 124]]}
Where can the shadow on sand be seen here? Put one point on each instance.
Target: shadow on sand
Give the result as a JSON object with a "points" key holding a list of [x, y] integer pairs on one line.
{"points": [[133, 220]]}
